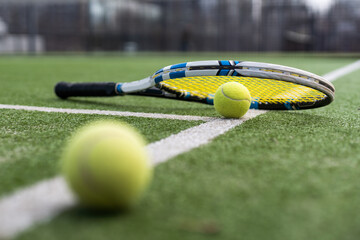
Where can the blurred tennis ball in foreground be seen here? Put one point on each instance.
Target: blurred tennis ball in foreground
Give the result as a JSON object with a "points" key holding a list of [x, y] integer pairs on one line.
{"points": [[232, 100], [107, 166]]}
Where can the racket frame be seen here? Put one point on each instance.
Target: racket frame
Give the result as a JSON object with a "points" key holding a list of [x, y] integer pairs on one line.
{"points": [[227, 68], [155, 85]]}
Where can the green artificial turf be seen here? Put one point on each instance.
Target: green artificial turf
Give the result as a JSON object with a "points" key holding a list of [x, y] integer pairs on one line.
{"points": [[31, 80], [282, 175], [31, 142]]}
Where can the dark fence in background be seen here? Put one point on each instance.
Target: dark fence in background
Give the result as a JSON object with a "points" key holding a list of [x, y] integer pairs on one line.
{"points": [[181, 25]]}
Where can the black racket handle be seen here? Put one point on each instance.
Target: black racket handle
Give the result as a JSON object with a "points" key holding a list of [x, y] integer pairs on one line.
{"points": [[96, 89]]}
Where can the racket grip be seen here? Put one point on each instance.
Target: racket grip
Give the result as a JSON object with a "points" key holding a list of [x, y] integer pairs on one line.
{"points": [[97, 89]]}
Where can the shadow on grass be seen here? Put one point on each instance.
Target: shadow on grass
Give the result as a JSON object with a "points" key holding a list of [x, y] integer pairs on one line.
{"points": [[300, 118], [84, 212]]}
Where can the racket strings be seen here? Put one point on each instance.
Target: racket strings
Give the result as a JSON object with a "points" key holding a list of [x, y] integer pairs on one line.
{"points": [[262, 90]]}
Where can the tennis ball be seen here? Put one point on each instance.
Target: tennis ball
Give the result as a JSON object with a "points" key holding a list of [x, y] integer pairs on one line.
{"points": [[106, 165], [232, 100]]}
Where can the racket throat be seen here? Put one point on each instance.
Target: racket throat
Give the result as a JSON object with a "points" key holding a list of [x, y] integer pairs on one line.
{"points": [[135, 86]]}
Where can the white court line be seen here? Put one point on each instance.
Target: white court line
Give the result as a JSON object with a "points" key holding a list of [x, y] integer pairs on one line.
{"points": [[46, 199], [332, 76], [105, 112], [26, 207], [194, 137]]}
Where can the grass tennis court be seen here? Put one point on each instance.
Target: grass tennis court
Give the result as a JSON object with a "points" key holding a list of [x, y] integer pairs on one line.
{"points": [[281, 175]]}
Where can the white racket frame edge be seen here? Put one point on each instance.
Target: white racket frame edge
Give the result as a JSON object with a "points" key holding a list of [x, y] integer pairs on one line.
{"points": [[250, 69]]}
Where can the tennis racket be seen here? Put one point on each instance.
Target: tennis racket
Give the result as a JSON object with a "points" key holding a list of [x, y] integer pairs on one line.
{"points": [[272, 87]]}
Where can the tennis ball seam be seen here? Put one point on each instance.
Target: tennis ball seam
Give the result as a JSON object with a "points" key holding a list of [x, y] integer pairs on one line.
{"points": [[222, 91]]}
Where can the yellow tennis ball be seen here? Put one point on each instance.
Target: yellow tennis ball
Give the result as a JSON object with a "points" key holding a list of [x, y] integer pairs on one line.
{"points": [[232, 100], [107, 166]]}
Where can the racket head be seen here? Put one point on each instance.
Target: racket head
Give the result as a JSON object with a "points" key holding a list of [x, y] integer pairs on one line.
{"points": [[272, 87]]}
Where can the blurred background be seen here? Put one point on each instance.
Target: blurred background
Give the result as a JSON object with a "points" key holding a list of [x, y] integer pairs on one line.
{"points": [[36, 26]]}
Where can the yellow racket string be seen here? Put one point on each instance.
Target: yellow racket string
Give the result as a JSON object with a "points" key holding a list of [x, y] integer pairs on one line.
{"points": [[261, 90]]}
